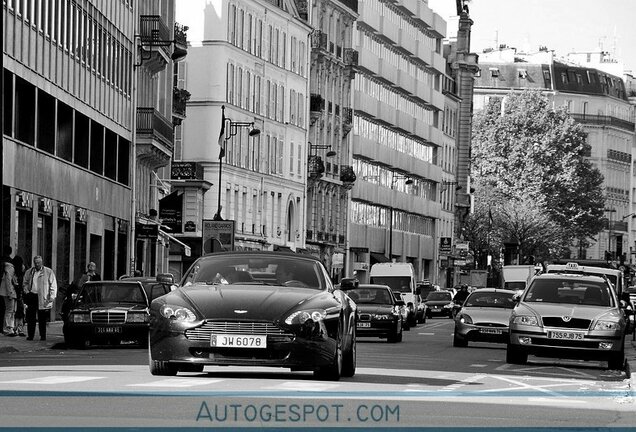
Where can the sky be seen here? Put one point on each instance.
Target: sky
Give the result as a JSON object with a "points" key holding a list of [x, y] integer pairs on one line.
{"points": [[560, 25]]}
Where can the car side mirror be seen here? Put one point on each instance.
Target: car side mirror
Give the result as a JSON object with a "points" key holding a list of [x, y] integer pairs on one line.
{"points": [[516, 298]]}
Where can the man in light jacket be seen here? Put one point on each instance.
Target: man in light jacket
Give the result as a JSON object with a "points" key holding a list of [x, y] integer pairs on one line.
{"points": [[40, 289]]}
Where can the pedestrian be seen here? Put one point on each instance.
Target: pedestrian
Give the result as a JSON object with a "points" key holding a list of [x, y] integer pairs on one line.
{"points": [[8, 285], [90, 275], [40, 289], [18, 264]]}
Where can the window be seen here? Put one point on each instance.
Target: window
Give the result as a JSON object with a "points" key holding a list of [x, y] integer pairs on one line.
{"points": [[523, 74], [494, 72]]}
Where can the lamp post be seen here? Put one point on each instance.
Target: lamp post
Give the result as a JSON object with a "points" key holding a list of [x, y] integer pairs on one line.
{"points": [[394, 178], [229, 129], [313, 149], [609, 233]]}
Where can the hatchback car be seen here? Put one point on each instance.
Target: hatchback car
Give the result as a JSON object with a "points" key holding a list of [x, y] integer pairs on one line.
{"points": [[439, 303], [259, 308], [108, 312], [484, 317], [379, 314], [568, 316]]}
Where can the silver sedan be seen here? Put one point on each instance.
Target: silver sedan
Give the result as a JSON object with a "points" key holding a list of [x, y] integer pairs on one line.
{"points": [[484, 317]]}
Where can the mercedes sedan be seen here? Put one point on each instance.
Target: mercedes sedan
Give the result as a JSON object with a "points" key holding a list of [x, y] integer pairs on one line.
{"points": [[254, 309]]}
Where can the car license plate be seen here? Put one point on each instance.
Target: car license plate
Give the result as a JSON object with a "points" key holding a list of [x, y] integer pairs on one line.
{"points": [[238, 341], [364, 324], [565, 335], [490, 330], [108, 330]]}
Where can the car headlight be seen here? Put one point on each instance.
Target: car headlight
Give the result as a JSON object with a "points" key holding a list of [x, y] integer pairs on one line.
{"points": [[177, 313], [137, 317], [79, 317], [606, 325], [528, 320], [382, 316], [466, 319], [301, 317]]}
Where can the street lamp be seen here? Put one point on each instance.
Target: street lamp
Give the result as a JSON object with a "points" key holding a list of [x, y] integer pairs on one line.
{"points": [[394, 178], [609, 232], [229, 129], [313, 149]]}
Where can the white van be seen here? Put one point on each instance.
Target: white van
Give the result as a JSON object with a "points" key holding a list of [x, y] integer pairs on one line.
{"points": [[401, 278]]}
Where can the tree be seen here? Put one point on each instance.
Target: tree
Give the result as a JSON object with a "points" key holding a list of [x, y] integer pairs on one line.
{"points": [[530, 155]]}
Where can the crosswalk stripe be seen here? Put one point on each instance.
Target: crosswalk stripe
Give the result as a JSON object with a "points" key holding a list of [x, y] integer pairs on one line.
{"points": [[176, 382], [303, 386], [53, 380]]}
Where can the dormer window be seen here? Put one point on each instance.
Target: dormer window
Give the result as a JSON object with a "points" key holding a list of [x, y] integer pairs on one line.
{"points": [[494, 72]]}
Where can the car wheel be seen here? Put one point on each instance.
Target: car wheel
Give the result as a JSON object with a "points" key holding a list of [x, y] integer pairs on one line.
{"points": [[412, 320], [333, 371], [616, 361], [349, 360], [423, 318], [162, 368], [459, 342], [515, 355]]}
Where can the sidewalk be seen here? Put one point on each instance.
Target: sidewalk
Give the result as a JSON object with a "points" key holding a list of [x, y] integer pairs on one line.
{"points": [[54, 337]]}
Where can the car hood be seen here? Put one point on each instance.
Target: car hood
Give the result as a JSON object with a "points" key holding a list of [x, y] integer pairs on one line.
{"points": [[92, 307], [574, 311], [250, 302], [488, 315], [374, 309]]}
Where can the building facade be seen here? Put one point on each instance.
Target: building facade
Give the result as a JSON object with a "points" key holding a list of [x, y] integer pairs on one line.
{"points": [[596, 99], [330, 175], [397, 136], [254, 63]]}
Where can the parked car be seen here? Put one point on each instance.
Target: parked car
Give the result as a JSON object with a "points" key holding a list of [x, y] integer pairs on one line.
{"points": [[225, 314], [439, 303], [154, 286], [484, 317], [379, 314], [569, 316], [108, 312]]}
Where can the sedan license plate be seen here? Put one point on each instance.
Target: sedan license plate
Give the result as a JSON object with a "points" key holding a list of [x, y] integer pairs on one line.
{"points": [[364, 324], [490, 330], [238, 341], [108, 330], [565, 335]]}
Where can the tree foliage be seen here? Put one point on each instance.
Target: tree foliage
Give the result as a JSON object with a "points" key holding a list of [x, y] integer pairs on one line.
{"points": [[529, 162]]}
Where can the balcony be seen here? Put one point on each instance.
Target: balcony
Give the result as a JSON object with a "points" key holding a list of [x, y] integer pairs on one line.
{"points": [[319, 40], [180, 42], [180, 97], [603, 120], [351, 4], [155, 42], [154, 138]]}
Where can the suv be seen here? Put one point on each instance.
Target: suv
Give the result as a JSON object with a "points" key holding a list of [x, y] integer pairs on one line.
{"points": [[568, 315]]}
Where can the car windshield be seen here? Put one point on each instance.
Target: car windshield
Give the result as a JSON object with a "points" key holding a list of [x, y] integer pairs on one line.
{"points": [[490, 300], [569, 292], [396, 283], [255, 269], [439, 295], [110, 293], [371, 296]]}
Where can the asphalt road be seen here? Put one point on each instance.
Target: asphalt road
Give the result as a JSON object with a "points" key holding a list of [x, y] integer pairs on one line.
{"points": [[423, 381]]}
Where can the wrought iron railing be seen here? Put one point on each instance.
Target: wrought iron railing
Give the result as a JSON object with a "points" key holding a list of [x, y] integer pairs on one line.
{"points": [[150, 122], [604, 121]]}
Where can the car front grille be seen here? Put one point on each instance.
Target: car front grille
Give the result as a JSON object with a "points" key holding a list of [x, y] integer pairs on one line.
{"points": [[204, 332], [574, 323], [364, 317], [490, 324], [108, 317]]}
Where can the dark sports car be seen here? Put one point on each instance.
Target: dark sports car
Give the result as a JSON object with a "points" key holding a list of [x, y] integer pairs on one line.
{"points": [[254, 309], [108, 312]]}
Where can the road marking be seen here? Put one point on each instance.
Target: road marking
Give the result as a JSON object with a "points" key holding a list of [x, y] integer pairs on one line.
{"points": [[462, 383], [427, 334], [176, 382], [478, 365], [552, 401], [53, 380], [303, 386], [519, 385], [546, 370]]}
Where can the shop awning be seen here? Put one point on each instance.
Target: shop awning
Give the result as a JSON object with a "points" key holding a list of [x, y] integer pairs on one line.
{"points": [[378, 257], [186, 248]]}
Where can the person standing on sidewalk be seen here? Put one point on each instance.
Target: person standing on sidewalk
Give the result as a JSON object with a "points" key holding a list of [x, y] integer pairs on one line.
{"points": [[90, 275], [18, 264], [8, 285], [40, 289]]}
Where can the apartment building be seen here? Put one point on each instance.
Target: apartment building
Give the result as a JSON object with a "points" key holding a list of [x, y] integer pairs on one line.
{"points": [[596, 99], [397, 136], [87, 93], [253, 66], [330, 175]]}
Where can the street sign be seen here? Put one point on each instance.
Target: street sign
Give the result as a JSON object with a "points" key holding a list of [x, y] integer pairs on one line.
{"points": [[146, 231], [445, 245], [219, 232]]}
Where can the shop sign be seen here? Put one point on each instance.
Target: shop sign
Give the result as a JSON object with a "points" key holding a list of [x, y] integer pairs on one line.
{"points": [[218, 235], [190, 226], [445, 245], [146, 231]]}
